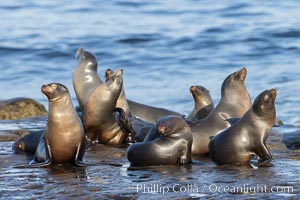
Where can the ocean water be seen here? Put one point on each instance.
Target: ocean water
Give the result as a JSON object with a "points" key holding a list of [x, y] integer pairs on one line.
{"points": [[164, 47]]}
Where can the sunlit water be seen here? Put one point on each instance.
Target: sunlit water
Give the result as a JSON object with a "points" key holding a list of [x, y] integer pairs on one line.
{"points": [[164, 47]]}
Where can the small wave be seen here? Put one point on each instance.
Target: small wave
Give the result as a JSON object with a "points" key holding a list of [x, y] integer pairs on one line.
{"points": [[216, 30], [287, 34], [131, 4], [140, 38]]}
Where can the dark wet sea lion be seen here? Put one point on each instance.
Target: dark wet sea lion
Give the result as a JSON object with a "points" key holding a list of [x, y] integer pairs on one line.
{"points": [[247, 137], [149, 113], [85, 78], [203, 103], [64, 138], [235, 101], [28, 143], [98, 116], [171, 148]]}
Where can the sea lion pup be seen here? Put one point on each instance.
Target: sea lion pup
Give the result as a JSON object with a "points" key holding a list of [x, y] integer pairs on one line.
{"points": [[235, 101], [247, 137], [28, 143], [85, 78], [203, 103], [171, 148], [98, 115], [64, 139]]}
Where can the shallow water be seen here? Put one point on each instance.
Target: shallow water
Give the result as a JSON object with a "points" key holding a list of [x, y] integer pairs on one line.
{"points": [[164, 47], [108, 175]]}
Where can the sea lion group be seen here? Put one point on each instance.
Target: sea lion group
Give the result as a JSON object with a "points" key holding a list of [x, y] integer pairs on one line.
{"points": [[233, 132]]}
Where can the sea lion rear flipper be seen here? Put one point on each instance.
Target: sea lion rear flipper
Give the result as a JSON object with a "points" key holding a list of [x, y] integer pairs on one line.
{"points": [[42, 156], [79, 155], [264, 155]]}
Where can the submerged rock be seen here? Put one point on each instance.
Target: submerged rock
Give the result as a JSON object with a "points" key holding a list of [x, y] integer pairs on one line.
{"points": [[20, 108], [292, 139]]}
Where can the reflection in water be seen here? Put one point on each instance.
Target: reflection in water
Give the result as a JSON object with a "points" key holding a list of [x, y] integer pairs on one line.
{"points": [[68, 171]]}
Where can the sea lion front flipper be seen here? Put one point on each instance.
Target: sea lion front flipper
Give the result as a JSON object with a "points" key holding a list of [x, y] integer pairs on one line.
{"points": [[232, 120], [79, 155], [264, 155], [125, 124], [42, 156]]}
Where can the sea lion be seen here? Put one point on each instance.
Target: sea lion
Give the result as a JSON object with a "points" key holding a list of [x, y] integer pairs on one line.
{"points": [[149, 113], [247, 137], [85, 78], [171, 148], [146, 113], [203, 103], [235, 101], [28, 143], [64, 139], [98, 116]]}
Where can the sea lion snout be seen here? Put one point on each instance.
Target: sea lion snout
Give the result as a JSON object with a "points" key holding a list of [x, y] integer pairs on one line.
{"points": [[49, 88], [273, 92], [79, 53], [242, 73], [192, 88], [162, 129]]}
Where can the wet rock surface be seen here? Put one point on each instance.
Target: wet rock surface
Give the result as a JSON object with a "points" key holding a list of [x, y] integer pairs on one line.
{"points": [[292, 139], [108, 174], [20, 108]]}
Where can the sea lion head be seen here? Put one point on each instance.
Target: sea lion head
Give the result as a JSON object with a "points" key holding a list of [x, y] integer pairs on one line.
{"points": [[54, 91], [108, 74], [18, 147], [264, 103], [115, 79], [233, 87], [87, 57], [201, 94], [170, 124]]}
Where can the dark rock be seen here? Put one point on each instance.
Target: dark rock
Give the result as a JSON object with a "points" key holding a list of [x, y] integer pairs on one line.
{"points": [[292, 139], [20, 108]]}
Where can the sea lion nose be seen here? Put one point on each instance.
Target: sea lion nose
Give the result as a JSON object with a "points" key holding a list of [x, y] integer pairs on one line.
{"points": [[192, 88], [79, 54], [273, 92]]}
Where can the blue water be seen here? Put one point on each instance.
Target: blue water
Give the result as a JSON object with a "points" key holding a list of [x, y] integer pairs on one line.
{"points": [[164, 47]]}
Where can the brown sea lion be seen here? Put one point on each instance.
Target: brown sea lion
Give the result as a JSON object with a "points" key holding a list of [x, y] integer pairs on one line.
{"points": [[64, 139], [85, 78], [98, 116], [247, 137], [146, 113], [203, 103], [122, 101], [235, 101], [171, 148]]}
